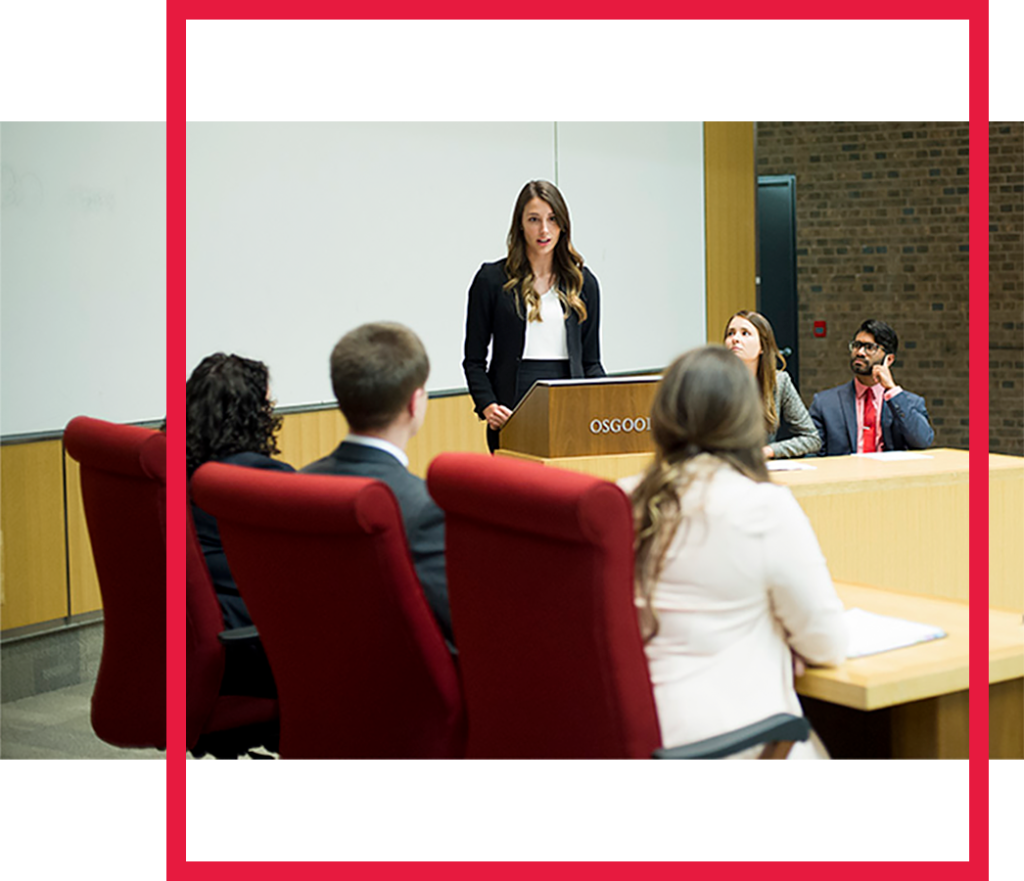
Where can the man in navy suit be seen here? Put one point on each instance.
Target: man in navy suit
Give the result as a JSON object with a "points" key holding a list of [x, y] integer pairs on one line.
{"points": [[379, 374], [871, 413]]}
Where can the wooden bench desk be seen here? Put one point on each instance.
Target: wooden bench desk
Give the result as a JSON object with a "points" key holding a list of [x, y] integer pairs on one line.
{"points": [[910, 702], [913, 702]]}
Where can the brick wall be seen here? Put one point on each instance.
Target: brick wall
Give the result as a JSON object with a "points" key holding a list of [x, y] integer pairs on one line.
{"points": [[882, 232], [1006, 287]]}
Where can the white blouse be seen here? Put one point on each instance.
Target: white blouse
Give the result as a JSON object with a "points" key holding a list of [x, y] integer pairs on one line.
{"points": [[744, 580], [545, 339]]}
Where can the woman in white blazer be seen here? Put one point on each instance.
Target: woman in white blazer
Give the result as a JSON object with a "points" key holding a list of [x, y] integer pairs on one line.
{"points": [[731, 586]]}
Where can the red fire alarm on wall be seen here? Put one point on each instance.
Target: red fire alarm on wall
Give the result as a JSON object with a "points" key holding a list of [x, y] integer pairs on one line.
{"points": [[819, 328]]}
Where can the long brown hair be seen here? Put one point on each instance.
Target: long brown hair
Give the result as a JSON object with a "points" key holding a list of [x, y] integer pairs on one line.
{"points": [[566, 263], [705, 413], [767, 364]]}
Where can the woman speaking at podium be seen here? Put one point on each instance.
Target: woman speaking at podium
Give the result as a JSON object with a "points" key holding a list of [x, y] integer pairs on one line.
{"points": [[539, 310]]}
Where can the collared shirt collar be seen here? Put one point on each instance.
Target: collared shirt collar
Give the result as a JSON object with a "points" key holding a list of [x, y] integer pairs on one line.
{"points": [[863, 390], [380, 444]]}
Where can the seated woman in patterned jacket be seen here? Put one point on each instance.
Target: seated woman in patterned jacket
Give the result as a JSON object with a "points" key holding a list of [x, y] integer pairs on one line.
{"points": [[750, 337]]}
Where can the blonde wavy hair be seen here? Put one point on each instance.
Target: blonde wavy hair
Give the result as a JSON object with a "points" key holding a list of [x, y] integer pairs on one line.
{"points": [[567, 263], [706, 414], [767, 364]]}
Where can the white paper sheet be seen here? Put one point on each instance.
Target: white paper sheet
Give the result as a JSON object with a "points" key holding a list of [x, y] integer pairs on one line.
{"points": [[871, 633], [788, 465], [894, 456]]}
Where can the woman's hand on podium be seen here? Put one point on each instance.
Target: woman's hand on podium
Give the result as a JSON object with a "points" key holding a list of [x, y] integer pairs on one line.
{"points": [[496, 415]]}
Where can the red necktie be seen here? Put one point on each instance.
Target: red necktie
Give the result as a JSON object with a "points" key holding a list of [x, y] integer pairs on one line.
{"points": [[870, 415]]}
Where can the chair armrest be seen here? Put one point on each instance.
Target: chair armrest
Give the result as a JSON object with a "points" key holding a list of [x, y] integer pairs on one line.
{"points": [[239, 636], [781, 726]]}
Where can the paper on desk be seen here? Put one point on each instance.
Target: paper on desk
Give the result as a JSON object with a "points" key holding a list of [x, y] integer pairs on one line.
{"points": [[871, 633], [894, 456], [787, 465]]}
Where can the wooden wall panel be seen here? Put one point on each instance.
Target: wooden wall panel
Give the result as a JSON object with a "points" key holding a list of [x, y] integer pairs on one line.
{"points": [[1006, 550], [306, 437], [83, 581], [730, 190], [33, 582], [932, 516], [1006, 720], [451, 425]]}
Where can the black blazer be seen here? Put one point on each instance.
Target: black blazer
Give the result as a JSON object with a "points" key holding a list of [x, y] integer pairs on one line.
{"points": [[491, 315], [423, 519], [231, 604]]}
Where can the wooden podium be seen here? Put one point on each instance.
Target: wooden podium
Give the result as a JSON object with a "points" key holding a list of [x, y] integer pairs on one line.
{"points": [[568, 418]]}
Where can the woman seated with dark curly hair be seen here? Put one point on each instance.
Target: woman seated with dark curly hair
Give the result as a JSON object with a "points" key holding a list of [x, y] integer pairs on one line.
{"points": [[229, 418]]}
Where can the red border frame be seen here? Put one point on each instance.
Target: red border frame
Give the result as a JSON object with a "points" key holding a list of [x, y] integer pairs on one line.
{"points": [[177, 15], [569, 9], [216, 871], [176, 635], [978, 413]]}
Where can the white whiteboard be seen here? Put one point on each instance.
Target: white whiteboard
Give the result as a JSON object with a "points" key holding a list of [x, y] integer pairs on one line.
{"points": [[82, 273], [298, 232]]}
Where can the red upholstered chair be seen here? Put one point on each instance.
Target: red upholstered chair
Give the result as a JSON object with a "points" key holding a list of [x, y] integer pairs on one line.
{"points": [[123, 478], [540, 580], [225, 725], [322, 562]]}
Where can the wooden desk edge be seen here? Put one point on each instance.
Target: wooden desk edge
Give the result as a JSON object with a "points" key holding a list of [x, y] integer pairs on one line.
{"points": [[1004, 666], [899, 689], [839, 685]]}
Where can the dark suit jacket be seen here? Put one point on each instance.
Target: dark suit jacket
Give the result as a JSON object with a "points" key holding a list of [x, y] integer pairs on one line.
{"points": [[246, 669], [423, 519], [905, 424], [491, 313], [231, 604]]}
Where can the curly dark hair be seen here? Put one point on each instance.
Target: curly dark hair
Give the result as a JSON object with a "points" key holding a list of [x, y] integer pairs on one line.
{"points": [[227, 410]]}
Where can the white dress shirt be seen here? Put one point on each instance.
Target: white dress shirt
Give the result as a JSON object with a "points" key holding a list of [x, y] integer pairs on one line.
{"points": [[381, 444], [545, 339]]}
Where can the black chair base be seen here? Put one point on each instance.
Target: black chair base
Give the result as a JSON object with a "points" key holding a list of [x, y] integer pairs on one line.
{"points": [[237, 742]]}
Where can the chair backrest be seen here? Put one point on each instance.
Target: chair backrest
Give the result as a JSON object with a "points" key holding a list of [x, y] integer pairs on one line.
{"points": [[540, 580], [323, 565], [124, 479]]}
